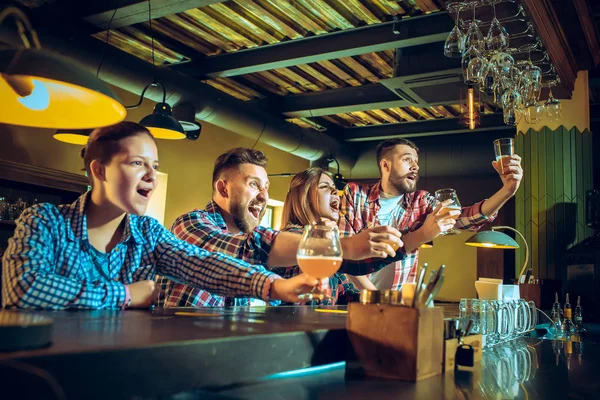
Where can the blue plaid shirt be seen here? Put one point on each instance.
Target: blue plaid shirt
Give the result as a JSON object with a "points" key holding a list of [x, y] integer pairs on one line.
{"points": [[49, 263]]}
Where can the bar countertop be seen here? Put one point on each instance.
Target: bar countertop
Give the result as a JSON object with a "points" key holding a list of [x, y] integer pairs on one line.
{"points": [[264, 353]]}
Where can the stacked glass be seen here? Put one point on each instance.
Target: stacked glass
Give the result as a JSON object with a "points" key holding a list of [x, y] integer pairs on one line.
{"points": [[498, 321]]}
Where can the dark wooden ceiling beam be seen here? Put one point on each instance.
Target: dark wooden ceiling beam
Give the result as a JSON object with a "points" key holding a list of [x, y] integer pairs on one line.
{"points": [[550, 31], [130, 12], [567, 30], [442, 126], [588, 25], [413, 31]]}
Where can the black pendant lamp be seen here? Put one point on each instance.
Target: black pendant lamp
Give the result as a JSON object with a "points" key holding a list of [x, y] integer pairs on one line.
{"points": [[161, 122], [41, 89]]}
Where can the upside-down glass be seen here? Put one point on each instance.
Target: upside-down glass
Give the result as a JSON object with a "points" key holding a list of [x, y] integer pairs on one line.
{"points": [[497, 37], [319, 255], [449, 194], [455, 43]]}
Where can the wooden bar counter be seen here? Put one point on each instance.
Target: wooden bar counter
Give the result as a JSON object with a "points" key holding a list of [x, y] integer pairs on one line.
{"points": [[264, 353]]}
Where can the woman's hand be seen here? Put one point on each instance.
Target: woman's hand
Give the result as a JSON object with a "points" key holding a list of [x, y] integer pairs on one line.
{"points": [[143, 294], [288, 289]]}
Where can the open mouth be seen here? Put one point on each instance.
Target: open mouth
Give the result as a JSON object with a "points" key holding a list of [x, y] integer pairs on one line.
{"points": [[335, 206], [412, 177], [255, 211], [144, 193]]}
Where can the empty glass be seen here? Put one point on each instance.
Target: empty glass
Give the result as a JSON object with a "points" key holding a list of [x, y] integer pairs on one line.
{"points": [[455, 43], [552, 108], [497, 37]]}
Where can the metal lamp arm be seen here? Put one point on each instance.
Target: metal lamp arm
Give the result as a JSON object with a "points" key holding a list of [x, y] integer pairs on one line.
{"points": [[494, 228], [23, 25]]}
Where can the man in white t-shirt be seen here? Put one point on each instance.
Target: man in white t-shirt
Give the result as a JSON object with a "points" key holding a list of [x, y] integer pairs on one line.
{"points": [[395, 201]]}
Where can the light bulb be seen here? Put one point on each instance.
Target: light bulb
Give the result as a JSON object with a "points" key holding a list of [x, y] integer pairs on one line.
{"points": [[39, 99]]}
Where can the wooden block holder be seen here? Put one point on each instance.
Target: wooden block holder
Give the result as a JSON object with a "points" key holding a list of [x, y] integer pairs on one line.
{"points": [[394, 341]]}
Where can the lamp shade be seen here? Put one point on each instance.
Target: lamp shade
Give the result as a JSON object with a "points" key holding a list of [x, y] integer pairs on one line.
{"points": [[74, 136], [162, 124], [44, 90], [492, 239]]}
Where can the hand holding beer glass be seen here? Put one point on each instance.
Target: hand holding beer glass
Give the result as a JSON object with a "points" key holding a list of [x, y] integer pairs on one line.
{"points": [[319, 255], [451, 203], [504, 149]]}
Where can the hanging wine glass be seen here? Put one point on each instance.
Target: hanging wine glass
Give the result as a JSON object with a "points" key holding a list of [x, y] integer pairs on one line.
{"points": [[470, 77], [474, 69], [552, 107], [534, 113], [497, 37], [474, 36], [509, 115], [455, 43]]}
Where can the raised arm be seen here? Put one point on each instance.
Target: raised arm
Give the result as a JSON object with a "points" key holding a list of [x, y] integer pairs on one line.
{"points": [[32, 260]]}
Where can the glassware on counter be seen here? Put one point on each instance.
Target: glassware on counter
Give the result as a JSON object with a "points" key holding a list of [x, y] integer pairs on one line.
{"points": [[319, 255]]}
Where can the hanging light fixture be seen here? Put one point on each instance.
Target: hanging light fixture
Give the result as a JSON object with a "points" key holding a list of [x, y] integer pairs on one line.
{"points": [[45, 90], [161, 122], [78, 137], [470, 115]]}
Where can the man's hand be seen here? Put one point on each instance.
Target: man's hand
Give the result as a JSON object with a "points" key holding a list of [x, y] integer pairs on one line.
{"points": [[511, 173], [380, 241], [143, 294], [289, 289], [440, 220]]}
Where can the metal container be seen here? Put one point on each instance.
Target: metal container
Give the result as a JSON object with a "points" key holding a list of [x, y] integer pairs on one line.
{"points": [[396, 297], [385, 297], [370, 296], [450, 328]]}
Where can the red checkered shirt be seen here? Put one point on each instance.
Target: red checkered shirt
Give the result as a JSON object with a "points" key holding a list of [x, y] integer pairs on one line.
{"points": [[360, 205], [207, 229]]}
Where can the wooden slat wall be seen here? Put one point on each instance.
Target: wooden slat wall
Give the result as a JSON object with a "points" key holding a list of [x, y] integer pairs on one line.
{"points": [[550, 204]]}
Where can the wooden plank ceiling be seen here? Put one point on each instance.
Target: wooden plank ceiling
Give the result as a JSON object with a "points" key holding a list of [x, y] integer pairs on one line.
{"points": [[236, 25]]}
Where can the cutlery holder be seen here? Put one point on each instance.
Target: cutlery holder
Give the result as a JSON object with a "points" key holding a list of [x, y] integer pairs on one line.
{"points": [[395, 342]]}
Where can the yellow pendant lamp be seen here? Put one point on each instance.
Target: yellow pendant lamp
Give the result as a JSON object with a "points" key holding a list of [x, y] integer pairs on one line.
{"points": [[45, 90], [74, 136]]}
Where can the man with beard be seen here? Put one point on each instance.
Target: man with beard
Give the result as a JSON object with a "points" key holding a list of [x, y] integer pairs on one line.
{"points": [[229, 224], [395, 201]]}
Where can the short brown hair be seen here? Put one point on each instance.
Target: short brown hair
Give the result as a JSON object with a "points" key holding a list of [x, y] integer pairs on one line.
{"points": [[301, 201], [104, 143], [236, 157], [384, 148]]}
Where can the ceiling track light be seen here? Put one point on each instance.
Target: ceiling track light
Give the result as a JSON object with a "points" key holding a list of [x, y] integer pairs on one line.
{"points": [[44, 90]]}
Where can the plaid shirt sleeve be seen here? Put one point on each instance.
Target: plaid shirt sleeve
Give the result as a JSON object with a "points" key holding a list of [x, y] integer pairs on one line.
{"points": [[212, 271], [29, 279], [198, 228], [350, 223]]}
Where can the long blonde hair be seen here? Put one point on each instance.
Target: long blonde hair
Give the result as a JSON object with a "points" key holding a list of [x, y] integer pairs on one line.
{"points": [[301, 205]]}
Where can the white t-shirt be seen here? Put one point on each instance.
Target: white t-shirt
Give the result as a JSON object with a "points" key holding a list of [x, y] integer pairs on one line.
{"points": [[387, 215]]}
